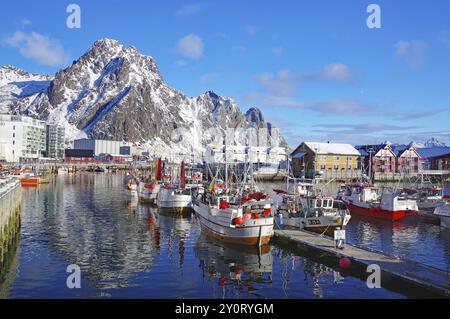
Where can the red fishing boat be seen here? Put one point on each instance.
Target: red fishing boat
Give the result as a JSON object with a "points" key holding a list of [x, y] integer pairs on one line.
{"points": [[379, 203]]}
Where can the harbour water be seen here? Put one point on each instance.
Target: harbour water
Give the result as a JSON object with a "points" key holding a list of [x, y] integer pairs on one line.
{"points": [[129, 250]]}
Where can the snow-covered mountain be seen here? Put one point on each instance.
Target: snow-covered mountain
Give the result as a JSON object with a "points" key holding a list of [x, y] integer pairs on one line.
{"points": [[114, 92], [21, 91], [434, 142]]}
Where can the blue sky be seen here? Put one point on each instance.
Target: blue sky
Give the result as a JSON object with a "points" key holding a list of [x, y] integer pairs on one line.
{"points": [[314, 67]]}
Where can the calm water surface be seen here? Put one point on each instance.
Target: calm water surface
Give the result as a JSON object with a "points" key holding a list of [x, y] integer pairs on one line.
{"points": [[128, 250]]}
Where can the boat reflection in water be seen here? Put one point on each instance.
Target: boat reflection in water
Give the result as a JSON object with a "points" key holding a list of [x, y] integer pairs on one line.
{"points": [[238, 269], [315, 277]]}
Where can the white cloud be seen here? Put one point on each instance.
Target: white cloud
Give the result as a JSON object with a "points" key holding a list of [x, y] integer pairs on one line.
{"points": [[250, 30], [336, 72], [38, 47], [283, 83], [189, 9], [190, 46], [286, 82], [277, 51], [327, 107], [412, 52]]}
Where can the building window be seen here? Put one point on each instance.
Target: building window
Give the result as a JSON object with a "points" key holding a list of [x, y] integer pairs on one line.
{"points": [[336, 167], [336, 158], [322, 167], [349, 166], [323, 157]]}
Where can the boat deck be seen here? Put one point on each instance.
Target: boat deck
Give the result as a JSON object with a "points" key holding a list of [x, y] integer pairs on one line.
{"points": [[404, 276]]}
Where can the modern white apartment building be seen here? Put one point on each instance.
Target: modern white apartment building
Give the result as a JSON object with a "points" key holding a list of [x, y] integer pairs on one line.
{"points": [[21, 138], [55, 141]]}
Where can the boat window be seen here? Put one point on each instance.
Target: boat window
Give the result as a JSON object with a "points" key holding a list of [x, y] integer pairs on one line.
{"points": [[319, 203]]}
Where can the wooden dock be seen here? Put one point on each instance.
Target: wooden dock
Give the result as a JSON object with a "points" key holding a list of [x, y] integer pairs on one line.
{"points": [[408, 277]]}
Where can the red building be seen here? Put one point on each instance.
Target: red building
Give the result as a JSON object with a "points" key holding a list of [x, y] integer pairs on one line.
{"points": [[382, 155], [407, 159], [76, 156], [387, 158]]}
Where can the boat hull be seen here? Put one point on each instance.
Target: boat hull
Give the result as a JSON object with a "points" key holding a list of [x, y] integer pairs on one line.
{"points": [[167, 198], [445, 221], [443, 212], [252, 232], [377, 212], [148, 195], [322, 225], [29, 182]]}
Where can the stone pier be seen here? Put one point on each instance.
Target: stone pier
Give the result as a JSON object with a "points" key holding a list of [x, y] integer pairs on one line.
{"points": [[10, 201]]}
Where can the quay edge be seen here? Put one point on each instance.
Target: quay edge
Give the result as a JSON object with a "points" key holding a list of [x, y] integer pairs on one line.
{"points": [[410, 278], [10, 208]]}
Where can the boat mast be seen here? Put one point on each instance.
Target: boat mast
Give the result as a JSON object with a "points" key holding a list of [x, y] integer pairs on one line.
{"points": [[226, 166], [288, 171]]}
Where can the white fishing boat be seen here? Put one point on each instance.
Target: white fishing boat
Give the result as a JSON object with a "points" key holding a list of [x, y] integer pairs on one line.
{"points": [[267, 172], [148, 189], [443, 212], [319, 214], [241, 215], [175, 198], [428, 198], [236, 219]]}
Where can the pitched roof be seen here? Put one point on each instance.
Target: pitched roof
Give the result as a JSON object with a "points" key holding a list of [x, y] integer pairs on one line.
{"points": [[364, 149], [398, 149], [433, 151], [332, 148]]}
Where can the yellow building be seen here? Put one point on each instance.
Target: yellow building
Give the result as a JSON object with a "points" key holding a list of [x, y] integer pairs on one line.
{"points": [[329, 159]]}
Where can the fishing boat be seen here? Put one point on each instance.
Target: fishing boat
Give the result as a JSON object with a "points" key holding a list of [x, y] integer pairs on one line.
{"points": [[320, 214], [148, 189], [428, 198], [29, 180], [132, 185], [235, 215], [443, 212], [384, 203], [267, 172], [175, 198]]}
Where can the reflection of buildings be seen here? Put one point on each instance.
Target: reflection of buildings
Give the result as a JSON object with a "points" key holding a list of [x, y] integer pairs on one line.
{"points": [[236, 268], [86, 222], [8, 267]]}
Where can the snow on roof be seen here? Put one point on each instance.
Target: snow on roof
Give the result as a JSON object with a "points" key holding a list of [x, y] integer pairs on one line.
{"points": [[332, 148]]}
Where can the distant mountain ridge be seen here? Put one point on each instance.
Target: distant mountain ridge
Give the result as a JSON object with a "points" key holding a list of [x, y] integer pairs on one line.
{"points": [[114, 92]]}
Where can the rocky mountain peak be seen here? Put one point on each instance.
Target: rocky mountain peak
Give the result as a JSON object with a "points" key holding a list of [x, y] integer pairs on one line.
{"points": [[254, 115], [114, 92]]}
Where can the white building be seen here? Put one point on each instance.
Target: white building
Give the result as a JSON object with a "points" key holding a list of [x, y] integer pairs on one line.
{"points": [[113, 148], [21, 138], [245, 154], [55, 141]]}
